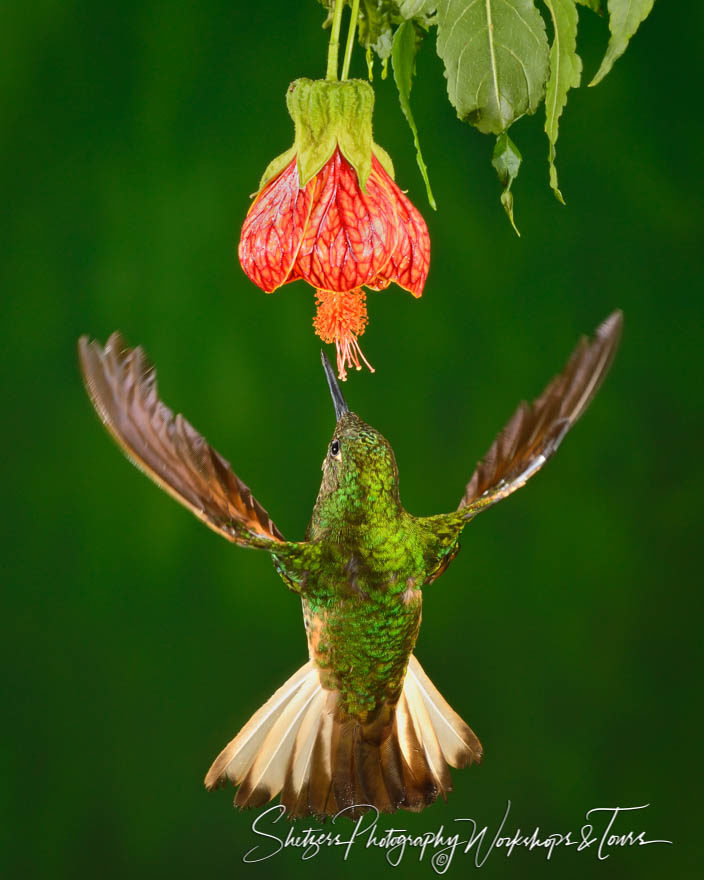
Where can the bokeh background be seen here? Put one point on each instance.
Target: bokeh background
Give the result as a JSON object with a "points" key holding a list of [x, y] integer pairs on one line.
{"points": [[137, 642]]}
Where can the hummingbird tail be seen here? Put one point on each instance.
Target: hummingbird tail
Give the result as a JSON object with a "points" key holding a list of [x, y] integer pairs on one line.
{"points": [[432, 735], [301, 745]]}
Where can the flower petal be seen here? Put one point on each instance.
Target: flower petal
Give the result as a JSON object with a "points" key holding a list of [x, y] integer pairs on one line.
{"points": [[409, 261], [273, 230], [350, 234]]}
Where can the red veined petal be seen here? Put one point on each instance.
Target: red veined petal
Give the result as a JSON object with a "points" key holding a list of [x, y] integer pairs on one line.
{"points": [[409, 261], [273, 230], [350, 235]]}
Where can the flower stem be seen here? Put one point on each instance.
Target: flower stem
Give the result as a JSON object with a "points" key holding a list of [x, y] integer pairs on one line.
{"points": [[350, 38], [334, 45]]}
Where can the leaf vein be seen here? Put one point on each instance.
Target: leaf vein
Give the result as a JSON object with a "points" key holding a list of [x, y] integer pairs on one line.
{"points": [[523, 69], [492, 61], [526, 25], [460, 17]]}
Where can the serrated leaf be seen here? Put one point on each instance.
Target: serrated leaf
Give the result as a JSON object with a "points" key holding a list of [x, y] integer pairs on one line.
{"points": [[507, 162], [565, 74], [625, 17], [496, 59], [409, 9], [403, 60]]}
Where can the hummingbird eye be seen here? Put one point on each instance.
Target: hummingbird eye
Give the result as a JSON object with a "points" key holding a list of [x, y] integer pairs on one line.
{"points": [[335, 449]]}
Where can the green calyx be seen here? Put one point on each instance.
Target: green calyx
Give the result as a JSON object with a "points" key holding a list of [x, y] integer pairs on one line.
{"points": [[328, 115]]}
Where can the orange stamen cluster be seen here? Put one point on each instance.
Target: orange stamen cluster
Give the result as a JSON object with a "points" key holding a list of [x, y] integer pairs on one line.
{"points": [[341, 318]]}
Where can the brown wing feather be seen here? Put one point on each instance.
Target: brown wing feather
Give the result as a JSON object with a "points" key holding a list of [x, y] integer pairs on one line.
{"points": [[534, 432], [122, 386]]}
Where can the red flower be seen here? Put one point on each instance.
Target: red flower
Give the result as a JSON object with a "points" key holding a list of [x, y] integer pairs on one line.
{"points": [[337, 237]]}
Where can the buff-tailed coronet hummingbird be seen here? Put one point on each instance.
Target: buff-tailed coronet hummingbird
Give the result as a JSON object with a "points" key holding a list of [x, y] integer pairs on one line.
{"points": [[360, 724]]}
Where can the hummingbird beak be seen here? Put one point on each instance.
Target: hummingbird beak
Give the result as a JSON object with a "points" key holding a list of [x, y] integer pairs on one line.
{"points": [[340, 406]]}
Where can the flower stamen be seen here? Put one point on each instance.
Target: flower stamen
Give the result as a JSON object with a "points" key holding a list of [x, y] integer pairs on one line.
{"points": [[342, 317]]}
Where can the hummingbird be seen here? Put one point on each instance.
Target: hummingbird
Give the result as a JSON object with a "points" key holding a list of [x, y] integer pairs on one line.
{"points": [[360, 725]]}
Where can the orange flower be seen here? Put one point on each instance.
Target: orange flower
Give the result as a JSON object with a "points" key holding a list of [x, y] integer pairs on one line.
{"points": [[338, 234]]}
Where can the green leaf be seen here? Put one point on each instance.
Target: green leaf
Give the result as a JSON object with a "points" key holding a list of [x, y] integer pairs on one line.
{"points": [[375, 26], [565, 74], [624, 18], [403, 60], [507, 162], [496, 59], [408, 9]]}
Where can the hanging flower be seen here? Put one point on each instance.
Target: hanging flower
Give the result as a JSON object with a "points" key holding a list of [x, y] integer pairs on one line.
{"points": [[329, 212]]}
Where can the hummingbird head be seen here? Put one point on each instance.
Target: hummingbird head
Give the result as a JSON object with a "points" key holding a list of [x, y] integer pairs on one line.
{"points": [[360, 477]]}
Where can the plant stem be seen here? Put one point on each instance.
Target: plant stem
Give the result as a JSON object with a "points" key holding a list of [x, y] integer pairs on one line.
{"points": [[350, 39], [334, 45]]}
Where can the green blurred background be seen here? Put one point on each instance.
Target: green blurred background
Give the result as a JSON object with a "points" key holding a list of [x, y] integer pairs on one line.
{"points": [[137, 642]]}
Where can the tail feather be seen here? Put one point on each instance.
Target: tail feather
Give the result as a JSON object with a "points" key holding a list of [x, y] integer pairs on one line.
{"points": [[305, 741], [421, 786], [392, 771], [266, 776], [369, 772], [456, 739], [427, 736], [345, 780], [306, 762], [238, 755], [302, 745], [321, 797]]}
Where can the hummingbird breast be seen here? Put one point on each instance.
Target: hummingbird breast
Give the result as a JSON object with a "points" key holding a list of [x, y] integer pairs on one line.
{"points": [[361, 643]]}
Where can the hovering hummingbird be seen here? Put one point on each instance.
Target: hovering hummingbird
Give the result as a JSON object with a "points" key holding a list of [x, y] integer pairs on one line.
{"points": [[360, 723]]}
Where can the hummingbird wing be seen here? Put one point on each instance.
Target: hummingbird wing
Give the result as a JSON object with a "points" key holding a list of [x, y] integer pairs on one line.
{"points": [[535, 431], [122, 386]]}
